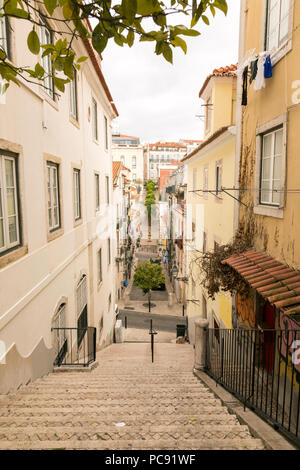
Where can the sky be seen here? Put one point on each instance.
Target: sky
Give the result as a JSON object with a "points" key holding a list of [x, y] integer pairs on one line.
{"points": [[160, 101]]}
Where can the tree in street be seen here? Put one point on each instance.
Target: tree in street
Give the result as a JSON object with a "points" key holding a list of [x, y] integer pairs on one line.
{"points": [[148, 277], [124, 21]]}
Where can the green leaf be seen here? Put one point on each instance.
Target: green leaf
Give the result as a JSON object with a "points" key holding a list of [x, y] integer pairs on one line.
{"points": [[130, 38], [50, 6], [129, 8], [167, 53], [33, 42], [205, 19], [148, 7], [179, 42], [2, 54], [82, 59], [99, 40], [185, 31], [60, 83]]}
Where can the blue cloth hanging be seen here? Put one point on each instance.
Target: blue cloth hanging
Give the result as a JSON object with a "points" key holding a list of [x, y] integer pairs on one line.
{"points": [[268, 68]]}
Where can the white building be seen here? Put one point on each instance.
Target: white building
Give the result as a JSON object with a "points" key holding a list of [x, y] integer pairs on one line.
{"points": [[56, 266], [161, 154], [129, 151]]}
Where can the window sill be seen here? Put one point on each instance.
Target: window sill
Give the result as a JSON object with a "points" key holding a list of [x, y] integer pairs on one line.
{"points": [[74, 122], [13, 255], [77, 222], [55, 234], [46, 97], [281, 52], [269, 211]]}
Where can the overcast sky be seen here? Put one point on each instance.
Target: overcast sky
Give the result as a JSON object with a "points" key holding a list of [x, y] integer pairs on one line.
{"points": [[159, 101]]}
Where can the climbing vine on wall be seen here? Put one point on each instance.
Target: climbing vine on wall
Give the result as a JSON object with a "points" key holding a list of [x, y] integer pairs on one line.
{"points": [[215, 276]]}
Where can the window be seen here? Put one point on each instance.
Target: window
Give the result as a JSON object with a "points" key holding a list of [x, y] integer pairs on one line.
{"points": [[133, 162], [4, 33], [46, 38], [278, 16], [271, 166], [219, 179], [82, 318], [108, 252], [106, 132], [9, 217], [107, 188], [99, 266], [60, 339], [77, 203], [95, 119], [134, 176], [97, 191], [53, 196], [73, 96]]}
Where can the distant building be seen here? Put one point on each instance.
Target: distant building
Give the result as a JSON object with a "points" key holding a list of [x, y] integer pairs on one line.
{"points": [[191, 145], [162, 154], [129, 151]]}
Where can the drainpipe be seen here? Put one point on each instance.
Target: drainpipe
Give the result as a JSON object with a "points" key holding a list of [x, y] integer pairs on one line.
{"points": [[239, 110]]}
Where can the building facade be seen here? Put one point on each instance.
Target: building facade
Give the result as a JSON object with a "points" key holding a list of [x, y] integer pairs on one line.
{"points": [[162, 154], [210, 211], [56, 234], [129, 151]]}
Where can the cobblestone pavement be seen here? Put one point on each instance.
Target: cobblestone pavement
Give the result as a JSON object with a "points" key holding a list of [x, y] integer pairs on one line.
{"points": [[125, 403]]}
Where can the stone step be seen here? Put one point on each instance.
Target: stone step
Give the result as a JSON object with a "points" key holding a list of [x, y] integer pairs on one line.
{"points": [[135, 394], [93, 420], [142, 432], [104, 388], [99, 444], [120, 412], [73, 401]]}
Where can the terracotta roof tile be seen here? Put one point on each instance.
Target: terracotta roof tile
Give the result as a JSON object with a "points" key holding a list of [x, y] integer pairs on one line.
{"points": [[227, 71], [276, 282], [167, 144], [116, 167]]}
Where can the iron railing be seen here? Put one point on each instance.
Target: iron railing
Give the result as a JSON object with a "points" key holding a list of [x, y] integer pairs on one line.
{"points": [[262, 369], [74, 346]]}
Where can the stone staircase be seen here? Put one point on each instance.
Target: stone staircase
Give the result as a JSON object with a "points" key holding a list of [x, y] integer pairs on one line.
{"points": [[125, 403]]}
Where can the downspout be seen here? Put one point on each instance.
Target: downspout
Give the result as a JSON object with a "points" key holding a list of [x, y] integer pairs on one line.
{"points": [[239, 111]]}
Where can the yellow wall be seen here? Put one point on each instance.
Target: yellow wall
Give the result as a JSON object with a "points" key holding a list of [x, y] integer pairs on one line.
{"points": [[279, 237], [218, 223]]}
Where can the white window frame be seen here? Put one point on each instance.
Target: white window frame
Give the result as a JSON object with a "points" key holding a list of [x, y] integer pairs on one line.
{"points": [[46, 38], [4, 40], [97, 192], [106, 132], [77, 198], [219, 177], [283, 48], [51, 166], [263, 209], [3, 202], [73, 96], [95, 119]]}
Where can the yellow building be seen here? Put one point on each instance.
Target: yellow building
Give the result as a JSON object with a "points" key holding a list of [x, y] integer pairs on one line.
{"points": [[211, 211], [268, 133]]}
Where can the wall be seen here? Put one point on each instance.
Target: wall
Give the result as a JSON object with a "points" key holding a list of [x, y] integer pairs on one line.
{"points": [[46, 269]]}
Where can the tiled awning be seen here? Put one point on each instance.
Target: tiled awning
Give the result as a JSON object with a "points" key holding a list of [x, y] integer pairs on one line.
{"points": [[276, 282]]}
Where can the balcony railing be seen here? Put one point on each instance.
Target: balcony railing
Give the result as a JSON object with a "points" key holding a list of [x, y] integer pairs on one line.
{"points": [[74, 346], [261, 369]]}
